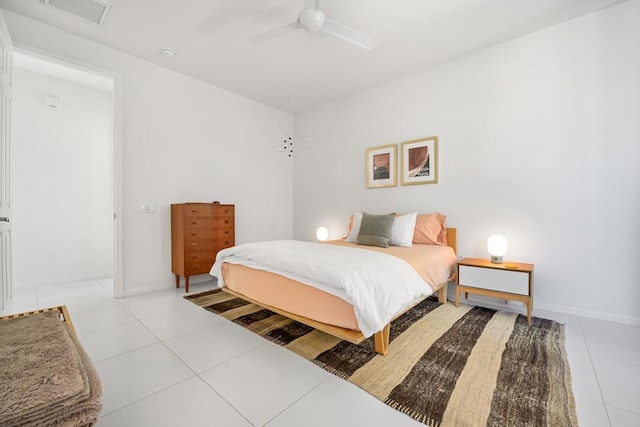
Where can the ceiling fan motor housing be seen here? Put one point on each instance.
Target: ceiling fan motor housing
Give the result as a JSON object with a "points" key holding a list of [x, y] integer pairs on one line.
{"points": [[312, 20]]}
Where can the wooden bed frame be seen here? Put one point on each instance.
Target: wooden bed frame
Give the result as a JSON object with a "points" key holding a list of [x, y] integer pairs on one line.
{"points": [[381, 338]]}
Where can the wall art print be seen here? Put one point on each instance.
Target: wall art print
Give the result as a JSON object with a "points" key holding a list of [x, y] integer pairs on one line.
{"points": [[381, 166], [419, 161]]}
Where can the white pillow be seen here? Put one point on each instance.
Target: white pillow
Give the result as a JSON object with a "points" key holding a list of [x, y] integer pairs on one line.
{"points": [[402, 230], [355, 228]]}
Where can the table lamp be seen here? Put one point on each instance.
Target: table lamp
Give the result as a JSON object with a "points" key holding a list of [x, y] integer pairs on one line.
{"points": [[497, 247], [322, 233]]}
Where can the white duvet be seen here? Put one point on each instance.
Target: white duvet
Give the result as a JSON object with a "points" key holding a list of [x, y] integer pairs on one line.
{"points": [[376, 284]]}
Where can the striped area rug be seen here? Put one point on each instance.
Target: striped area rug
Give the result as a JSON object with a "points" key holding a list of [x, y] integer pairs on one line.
{"points": [[446, 366]]}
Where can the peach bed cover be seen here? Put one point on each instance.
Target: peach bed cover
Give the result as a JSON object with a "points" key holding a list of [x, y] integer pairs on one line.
{"points": [[433, 263]]}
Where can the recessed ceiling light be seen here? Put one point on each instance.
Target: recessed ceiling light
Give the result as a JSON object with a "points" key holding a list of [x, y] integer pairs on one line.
{"points": [[168, 52]]}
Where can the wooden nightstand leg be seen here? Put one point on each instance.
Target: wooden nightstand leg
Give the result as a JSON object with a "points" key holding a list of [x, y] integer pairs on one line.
{"points": [[466, 295], [529, 310], [186, 284], [457, 297], [177, 281]]}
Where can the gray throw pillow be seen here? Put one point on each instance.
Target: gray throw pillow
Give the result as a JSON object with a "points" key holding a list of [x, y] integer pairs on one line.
{"points": [[375, 230]]}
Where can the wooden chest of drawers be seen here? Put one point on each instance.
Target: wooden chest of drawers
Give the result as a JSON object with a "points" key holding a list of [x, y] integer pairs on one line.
{"points": [[198, 232]]}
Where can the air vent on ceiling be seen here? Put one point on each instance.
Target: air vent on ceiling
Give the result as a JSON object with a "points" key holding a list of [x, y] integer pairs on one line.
{"points": [[90, 10]]}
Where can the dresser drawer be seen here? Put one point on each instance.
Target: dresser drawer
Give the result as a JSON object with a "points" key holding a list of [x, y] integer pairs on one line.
{"points": [[221, 221], [202, 210], [197, 256], [198, 222], [222, 234], [223, 210], [199, 266], [197, 245], [224, 243], [513, 282], [202, 234]]}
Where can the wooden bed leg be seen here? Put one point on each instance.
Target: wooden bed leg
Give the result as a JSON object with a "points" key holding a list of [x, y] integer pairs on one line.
{"points": [[381, 339], [442, 294], [177, 281]]}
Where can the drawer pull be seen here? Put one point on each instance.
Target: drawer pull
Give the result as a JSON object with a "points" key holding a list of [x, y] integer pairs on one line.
{"points": [[194, 234], [194, 245], [226, 221], [194, 269], [226, 243], [226, 232], [194, 222]]}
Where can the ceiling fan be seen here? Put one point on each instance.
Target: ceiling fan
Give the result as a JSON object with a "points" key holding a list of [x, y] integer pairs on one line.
{"points": [[313, 20]]}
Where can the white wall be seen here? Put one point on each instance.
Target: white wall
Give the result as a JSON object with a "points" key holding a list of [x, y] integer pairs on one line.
{"points": [[183, 140], [61, 181], [539, 141]]}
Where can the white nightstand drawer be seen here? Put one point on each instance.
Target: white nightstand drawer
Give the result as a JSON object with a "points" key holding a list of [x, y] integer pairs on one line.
{"points": [[498, 280]]}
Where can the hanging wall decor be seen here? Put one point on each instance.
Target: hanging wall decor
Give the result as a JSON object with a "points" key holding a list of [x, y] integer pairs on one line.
{"points": [[419, 161], [381, 166], [288, 143]]}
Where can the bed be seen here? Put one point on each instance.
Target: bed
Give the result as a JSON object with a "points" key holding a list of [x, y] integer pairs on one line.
{"points": [[284, 287]]}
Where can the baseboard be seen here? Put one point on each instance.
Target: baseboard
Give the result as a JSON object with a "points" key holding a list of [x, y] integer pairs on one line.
{"points": [[591, 314], [171, 284], [145, 290], [518, 307]]}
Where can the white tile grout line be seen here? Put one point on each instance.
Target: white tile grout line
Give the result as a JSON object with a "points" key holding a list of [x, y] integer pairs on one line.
{"points": [[218, 393], [625, 410], [593, 368], [196, 374], [296, 401], [144, 397]]}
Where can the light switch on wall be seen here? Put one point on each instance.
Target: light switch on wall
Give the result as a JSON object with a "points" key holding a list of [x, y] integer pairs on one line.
{"points": [[147, 207]]}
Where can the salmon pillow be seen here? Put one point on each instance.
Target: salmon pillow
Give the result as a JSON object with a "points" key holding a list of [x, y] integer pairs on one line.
{"points": [[354, 227], [430, 229]]}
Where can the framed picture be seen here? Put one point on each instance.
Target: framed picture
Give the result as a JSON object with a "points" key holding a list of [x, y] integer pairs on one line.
{"points": [[381, 166], [420, 161]]}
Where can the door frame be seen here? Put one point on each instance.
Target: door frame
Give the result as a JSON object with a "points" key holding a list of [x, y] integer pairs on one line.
{"points": [[118, 271]]}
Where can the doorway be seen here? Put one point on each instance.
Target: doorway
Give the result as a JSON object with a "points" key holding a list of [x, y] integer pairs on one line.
{"points": [[63, 175]]}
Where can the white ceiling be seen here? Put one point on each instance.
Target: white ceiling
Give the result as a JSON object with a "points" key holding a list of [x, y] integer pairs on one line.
{"points": [[210, 38]]}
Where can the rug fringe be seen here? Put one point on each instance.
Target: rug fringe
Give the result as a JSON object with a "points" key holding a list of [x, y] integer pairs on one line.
{"points": [[423, 418], [573, 412], [331, 370]]}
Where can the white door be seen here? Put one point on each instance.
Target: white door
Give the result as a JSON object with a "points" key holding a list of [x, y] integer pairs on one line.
{"points": [[6, 57]]}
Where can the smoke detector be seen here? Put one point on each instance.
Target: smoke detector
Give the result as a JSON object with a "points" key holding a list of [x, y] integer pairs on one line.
{"points": [[168, 52], [94, 11]]}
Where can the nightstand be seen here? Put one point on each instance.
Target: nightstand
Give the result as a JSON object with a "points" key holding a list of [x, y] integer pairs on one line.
{"points": [[509, 281]]}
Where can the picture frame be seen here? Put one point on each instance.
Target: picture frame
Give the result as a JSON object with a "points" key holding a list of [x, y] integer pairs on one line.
{"points": [[419, 161], [381, 166]]}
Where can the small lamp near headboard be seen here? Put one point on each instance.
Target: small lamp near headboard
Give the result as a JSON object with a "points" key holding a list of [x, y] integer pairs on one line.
{"points": [[497, 247], [322, 233]]}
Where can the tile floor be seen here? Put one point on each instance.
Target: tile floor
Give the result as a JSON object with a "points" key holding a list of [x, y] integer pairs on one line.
{"points": [[165, 362]]}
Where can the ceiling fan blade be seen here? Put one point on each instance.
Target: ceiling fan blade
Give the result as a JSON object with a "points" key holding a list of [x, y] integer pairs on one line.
{"points": [[312, 4], [348, 34], [272, 34]]}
